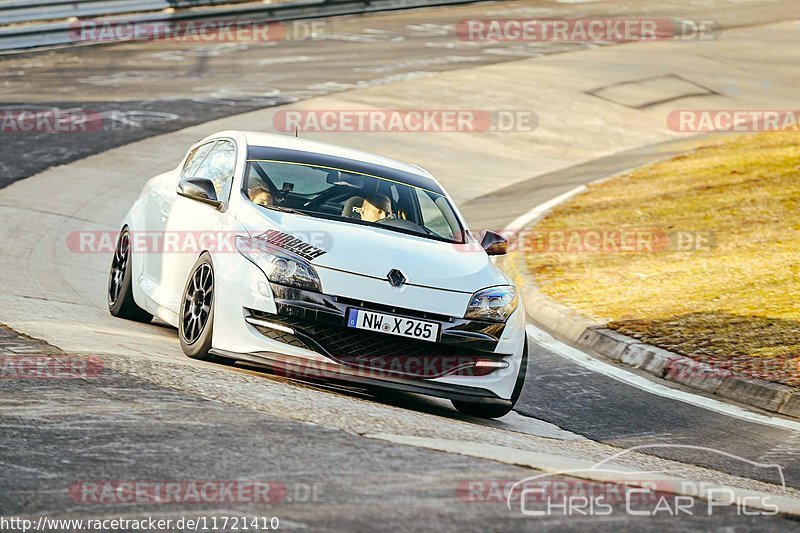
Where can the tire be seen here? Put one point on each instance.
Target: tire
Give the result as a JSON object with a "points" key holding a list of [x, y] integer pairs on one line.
{"points": [[490, 409], [120, 286], [196, 317], [196, 343]]}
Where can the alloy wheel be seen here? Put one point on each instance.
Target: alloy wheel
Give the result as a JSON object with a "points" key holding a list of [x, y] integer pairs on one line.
{"points": [[197, 303]]}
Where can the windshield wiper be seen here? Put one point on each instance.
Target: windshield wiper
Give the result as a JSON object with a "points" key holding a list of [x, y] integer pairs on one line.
{"points": [[283, 209]]}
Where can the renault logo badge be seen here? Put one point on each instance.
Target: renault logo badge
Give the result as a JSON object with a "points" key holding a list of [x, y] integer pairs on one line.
{"points": [[396, 278]]}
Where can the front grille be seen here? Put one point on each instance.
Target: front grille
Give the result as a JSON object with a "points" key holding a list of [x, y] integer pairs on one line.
{"points": [[344, 341], [358, 348]]}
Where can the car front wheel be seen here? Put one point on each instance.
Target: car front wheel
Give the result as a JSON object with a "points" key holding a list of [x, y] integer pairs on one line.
{"points": [[196, 320]]}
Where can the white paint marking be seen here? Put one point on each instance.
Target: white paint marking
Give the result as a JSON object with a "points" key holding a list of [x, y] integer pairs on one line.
{"points": [[521, 221]]}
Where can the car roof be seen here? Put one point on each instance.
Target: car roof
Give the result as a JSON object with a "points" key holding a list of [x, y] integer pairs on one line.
{"points": [[288, 148], [269, 140]]}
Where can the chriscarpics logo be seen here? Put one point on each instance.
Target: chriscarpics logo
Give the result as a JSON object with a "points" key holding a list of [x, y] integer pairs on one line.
{"points": [[608, 488]]}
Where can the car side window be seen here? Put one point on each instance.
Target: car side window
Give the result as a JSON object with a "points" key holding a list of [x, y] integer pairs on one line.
{"points": [[218, 166], [196, 157], [432, 216]]}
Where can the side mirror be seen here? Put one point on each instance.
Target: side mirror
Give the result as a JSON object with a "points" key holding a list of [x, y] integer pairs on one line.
{"points": [[494, 243], [199, 189]]}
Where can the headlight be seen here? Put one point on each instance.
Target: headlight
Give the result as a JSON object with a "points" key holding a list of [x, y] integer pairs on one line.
{"points": [[280, 266], [494, 303]]}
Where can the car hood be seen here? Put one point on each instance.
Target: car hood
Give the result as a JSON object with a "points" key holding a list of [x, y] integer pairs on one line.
{"points": [[373, 251]]}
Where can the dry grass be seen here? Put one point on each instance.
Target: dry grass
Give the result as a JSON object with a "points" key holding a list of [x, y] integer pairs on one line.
{"points": [[735, 303]]}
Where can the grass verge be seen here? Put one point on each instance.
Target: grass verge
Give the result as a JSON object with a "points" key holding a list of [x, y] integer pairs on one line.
{"points": [[699, 255]]}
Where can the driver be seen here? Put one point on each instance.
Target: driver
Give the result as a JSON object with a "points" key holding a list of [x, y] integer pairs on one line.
{"points": [[376, 207], [260, 196]]}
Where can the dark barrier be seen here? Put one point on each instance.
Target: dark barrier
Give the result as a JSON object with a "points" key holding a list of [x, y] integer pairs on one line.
{"points": [[25, 24]]}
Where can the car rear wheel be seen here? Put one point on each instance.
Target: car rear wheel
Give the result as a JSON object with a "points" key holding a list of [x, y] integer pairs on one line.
{"points": [[120, 285], [488, 409]]}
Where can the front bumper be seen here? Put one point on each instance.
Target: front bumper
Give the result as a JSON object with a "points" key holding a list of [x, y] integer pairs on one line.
{"points": [[304, 335], [317, 322], [298, 368]]}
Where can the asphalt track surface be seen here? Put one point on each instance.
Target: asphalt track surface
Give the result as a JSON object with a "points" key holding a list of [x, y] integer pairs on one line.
{"points": [[122, 429], [369, 482]]}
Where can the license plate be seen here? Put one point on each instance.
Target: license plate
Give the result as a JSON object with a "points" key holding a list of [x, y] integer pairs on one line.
{"points": [[393, 325]]}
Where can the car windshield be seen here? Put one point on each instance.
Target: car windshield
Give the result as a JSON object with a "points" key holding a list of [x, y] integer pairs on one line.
{"points": [[353, 197]]}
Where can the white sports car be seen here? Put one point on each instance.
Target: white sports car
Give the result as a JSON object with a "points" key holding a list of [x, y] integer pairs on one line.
{"points": [[323, 262]]}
